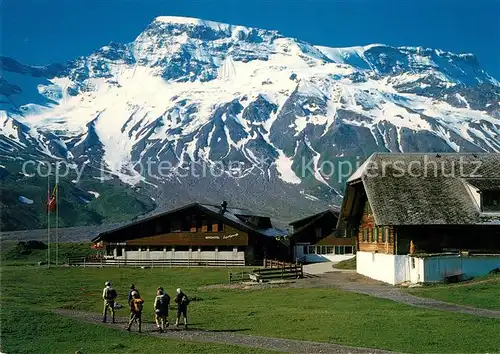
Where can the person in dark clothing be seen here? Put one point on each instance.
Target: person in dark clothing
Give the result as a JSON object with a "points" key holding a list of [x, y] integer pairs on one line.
{"points": [[182, 302], [161, 304], [132, 289]]}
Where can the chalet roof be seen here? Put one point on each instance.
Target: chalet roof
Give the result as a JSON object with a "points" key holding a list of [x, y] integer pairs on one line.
{"points": [[485, 183], [313, 217], [428, 189], [230, 216]]}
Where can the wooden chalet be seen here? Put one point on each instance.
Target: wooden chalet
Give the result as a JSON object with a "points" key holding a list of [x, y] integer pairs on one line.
{"points": [[208, 234], [424, 217], [313, 239]]}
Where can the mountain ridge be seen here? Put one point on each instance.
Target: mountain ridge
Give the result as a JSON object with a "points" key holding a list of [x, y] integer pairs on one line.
{"points": [[253, 103]]}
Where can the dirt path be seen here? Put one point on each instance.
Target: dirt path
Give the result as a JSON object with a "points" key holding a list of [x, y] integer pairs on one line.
{"points": [[225, 337], [349, 281]]}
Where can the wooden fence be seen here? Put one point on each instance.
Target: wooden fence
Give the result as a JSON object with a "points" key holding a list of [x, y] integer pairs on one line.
{"points": [[274, 269], [154, 263], [238, 276]]}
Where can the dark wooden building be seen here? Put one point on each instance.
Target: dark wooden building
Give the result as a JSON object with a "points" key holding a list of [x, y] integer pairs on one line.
{"points": [[313, 239], [435, 207], [197, 232]]}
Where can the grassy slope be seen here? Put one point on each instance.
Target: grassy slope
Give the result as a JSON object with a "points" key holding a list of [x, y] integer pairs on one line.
{"points": [[347, 264], [481, 292], [312, 314], [11, 256]]}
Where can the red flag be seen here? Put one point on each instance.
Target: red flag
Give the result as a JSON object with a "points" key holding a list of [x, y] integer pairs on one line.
{"points": [[51, 200]]}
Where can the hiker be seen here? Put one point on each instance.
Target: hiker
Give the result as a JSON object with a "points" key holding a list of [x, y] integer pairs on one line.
{"points": [[162, 301], [109, 296], [182, 302], [132, 289], [130, 298], [136, 310]]}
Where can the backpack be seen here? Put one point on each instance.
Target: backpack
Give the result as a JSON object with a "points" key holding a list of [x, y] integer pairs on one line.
{"points": [[111, 294], [185, 300], [163, 302], [138, 305]]}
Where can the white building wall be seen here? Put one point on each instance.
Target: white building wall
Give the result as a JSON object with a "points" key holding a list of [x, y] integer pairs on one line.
{"points": [[401, 269], [194, 254], [436, 269], [376, 266], [397, 269]]}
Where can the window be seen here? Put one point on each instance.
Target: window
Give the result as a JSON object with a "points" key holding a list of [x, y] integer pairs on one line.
{"points": [[375, 234], [413, 262], [329, 249], [206, 225], [348, 249], [193, 225], [490, 201], [312, 249], [186, 223], [385, 235], [365, 235], [119, 251], [176, 225], [306, 249]]}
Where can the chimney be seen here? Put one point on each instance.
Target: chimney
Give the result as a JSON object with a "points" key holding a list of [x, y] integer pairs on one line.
{"points": [[223, 207]]}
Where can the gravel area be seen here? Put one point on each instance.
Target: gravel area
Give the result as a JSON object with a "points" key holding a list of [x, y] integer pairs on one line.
{"points": [[225, 337]]}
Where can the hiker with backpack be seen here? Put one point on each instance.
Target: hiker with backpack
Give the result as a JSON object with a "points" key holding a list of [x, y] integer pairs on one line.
{"points": [[132, 289], [109, 296], [182, 302], [136, 306], [161, 304]]}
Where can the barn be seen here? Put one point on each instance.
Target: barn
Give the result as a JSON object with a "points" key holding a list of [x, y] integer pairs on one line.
{"points": [[197, 233], [423, 218]]}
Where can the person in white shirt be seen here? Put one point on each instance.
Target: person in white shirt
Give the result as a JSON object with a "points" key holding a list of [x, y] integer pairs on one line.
{"points": [[109, 296]]}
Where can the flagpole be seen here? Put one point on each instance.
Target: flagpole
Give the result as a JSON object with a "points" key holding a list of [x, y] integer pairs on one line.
{"points": [[57, 220], [48, 221]]}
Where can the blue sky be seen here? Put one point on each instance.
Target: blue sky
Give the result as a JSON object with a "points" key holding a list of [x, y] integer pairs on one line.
{"points": [[45, 31]]}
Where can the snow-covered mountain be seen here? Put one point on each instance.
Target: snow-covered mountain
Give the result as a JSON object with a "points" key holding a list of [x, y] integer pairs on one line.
{"points": [[191, 90]]}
